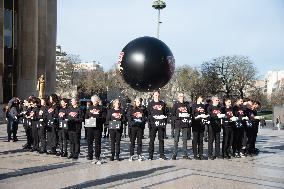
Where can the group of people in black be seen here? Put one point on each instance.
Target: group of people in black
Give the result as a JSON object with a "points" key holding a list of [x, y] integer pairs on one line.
{"points": [[52, 125]]}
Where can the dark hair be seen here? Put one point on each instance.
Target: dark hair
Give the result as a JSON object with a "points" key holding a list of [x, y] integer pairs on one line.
{"points": [[156, 91], [65, 100], [54, 98], [257, 102]]}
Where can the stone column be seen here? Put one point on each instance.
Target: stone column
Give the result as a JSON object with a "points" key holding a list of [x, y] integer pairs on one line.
{"points": [[51, 46], [1, 49], [28, 48], [42, 33]]}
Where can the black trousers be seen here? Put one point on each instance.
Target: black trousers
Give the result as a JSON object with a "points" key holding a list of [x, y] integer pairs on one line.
{"points": [[62, 138], [136, 133], [94, 134], [74, 140], [35, 135], [28, 131], [42, 137], [51, 133], [197, 143], [237, 139], [254, 136], [227, 140], [161, 135], [12, 128], [115, 138], [250, 133], [177, 131], [213, 136]]}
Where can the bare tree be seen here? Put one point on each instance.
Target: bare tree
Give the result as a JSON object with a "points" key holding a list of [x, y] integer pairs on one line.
{"points": [[228, 75], [65, 75]]}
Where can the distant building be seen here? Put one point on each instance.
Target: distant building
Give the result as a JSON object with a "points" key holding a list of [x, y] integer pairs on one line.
{"points": [[273, 81], [88, 66]]}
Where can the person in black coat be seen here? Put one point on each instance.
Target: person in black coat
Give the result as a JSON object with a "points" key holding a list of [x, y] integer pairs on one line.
{"points": [[157, 119], [227, 128], [115, 115], [198, 127], [52, 124], [136, 120], [42, 126], [13, 119], [98, 112], [238, 129], [75, 119], [181, 116], [34, 115], [63, 128], [214, 110]]}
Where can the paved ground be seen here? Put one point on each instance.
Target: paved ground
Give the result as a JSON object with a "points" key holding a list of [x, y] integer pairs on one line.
{"points": [[21, 169]]}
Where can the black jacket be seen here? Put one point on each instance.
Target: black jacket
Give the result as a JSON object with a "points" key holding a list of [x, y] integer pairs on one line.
{"points": [[115, 115], [198, 125], [136, 116], [98, 112], [179, 113], [75, 119], [215, 122]]}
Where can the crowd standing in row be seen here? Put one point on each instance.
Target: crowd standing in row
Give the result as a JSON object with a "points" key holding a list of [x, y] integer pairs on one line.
{"points": [[52, 125]]}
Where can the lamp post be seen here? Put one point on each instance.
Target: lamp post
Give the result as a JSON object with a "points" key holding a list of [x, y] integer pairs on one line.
{"points": [[159, 5]]}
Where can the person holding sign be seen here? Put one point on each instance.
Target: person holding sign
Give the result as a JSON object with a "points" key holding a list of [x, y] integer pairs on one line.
{"points": [[75, 119], [115, 118], [63, 128], [157, 118], [136, 120], [181, 116], [94, 120]]}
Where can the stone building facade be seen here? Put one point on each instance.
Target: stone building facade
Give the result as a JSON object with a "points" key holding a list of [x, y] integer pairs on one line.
{"points": [[27, 46]]}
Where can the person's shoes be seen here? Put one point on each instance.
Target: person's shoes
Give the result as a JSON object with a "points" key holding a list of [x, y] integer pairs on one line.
{"points": [[97, 161], [70, 156], [89, 158], [15, 139], [201, 157], [195, 157], [111, 158], [150, 157], [52, 152], [32, 150], [59, 153], [131, 158], [140, 158], [174, 157], [26, 147], [220, 157], [162, 158], [238, 155], [211, 157], [117, 158], [64, 154], [186, 157], [75, 157]]}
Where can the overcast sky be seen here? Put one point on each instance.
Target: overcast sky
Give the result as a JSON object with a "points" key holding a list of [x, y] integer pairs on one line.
{"points": [[195, 30]]}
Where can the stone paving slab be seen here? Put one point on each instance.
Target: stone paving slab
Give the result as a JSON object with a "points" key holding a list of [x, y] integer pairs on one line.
{"points": [[22, 169]]}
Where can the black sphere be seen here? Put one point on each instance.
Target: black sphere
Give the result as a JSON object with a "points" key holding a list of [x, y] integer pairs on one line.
{"points": [[146, 64]]}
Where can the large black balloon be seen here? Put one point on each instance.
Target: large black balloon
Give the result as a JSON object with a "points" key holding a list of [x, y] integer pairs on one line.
{"points": [[146, 64]]}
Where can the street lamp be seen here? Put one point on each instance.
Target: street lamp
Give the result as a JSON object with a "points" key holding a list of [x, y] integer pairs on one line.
{"points": [[159, 4]]}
